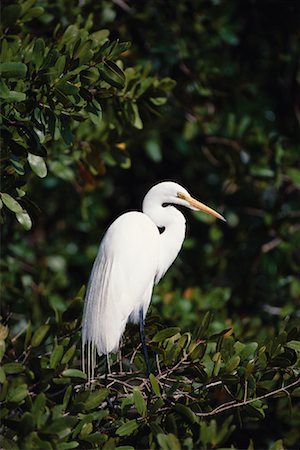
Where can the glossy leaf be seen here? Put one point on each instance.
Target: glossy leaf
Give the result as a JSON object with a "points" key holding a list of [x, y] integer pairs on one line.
{"points": [[111, 73], [38, 53], [155, 385], [127, 428], [74, 373], [11, 203], [13, 70], [38, 165], [13, 367], [95, 399], [166, 333], [17, 394], [39, 335], [139, 402]]}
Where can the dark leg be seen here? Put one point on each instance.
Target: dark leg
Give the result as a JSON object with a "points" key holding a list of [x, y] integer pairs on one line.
{"points": [[142, 334], [107, 372]]}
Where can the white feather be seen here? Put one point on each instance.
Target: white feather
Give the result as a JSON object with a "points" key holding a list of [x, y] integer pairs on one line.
{"points": [[133, 255]]}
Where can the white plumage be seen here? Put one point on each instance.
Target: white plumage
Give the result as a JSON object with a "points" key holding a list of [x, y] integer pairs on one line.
{"points": [[133, 256]]}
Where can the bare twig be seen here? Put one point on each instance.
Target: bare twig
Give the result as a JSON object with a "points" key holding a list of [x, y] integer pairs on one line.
{"points": [[235, 404], [157, 364]]}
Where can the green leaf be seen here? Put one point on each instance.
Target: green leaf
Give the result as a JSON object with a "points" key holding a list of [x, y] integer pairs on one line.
{"points": [[27, 422], [60, 65], [33, 441], [74, 373], [125, 447], [296, 392], [139, 402], [153, 150], [24, 219], [37, 165], [65, 129], [137, 123], [168, 441], [33, 140], [158, 101], [11, 203], [94, 112], [13, 367], [86, 430], [59, 425], [33, 13], [14, 96], [67, 396], [202, 331], [38, 53], [13, 70], [38, 408], [84, 53], [249, 350], [98, 439], [295, 345], [233, 363], [3, 331], [99, 36], [18, 394], [2, 349], [95, 399], [278, 445], [118, 48], [17, 164], [2, 375], [127, 428], [56, 356], [186, 411], [39, 335], [154, 384], [67, 445], [26, 5], [10, 14], [293, 174], [65, 380], [69, 354], [112, 74], [67, 88], [166, 333], [4, 90]]}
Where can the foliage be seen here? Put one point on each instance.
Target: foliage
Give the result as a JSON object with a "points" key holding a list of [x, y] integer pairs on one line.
{"points": [[88, 124], [49, 87], [202, 383]]}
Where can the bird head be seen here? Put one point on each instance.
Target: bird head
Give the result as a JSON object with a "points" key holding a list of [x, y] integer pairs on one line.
{"points": [[171, 193]]}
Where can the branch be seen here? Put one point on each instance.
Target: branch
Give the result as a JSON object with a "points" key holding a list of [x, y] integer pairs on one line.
{"points": [[232, 404]]}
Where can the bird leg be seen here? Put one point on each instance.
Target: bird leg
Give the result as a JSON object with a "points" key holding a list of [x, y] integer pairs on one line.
{"points": [[142, 335]]}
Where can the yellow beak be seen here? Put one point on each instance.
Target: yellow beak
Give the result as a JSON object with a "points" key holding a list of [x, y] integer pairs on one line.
{"points": [[200, 206]]}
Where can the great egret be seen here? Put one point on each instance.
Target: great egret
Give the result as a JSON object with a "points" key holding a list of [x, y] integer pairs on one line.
{"points": [[135, 253]]}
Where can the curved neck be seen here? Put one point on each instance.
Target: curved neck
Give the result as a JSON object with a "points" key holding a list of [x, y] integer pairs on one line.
{"points": [[171, 238]]}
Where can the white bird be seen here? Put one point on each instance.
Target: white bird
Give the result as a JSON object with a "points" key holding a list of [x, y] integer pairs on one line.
{"points": [[133, 256]]}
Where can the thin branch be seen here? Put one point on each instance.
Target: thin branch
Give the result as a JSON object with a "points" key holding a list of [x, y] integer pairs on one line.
{"points": [[233, 404]]}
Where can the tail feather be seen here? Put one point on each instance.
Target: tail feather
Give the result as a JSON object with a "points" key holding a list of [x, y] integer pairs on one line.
{"points": [[99, 332]]}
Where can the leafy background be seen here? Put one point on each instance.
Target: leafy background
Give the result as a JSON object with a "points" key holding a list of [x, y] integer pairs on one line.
{"points": [[100, 100]]}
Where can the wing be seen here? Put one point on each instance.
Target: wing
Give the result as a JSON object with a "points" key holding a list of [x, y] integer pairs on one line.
{"points": [[121, 281]]}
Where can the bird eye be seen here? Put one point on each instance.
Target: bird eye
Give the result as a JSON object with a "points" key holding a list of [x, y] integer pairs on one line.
{"points": [[180, 195]]}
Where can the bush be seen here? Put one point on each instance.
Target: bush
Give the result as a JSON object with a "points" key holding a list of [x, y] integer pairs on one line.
{"points": [[202, 384]]}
